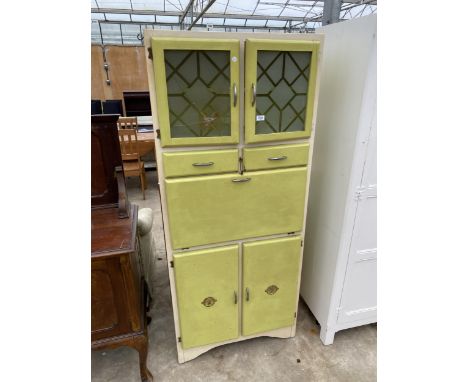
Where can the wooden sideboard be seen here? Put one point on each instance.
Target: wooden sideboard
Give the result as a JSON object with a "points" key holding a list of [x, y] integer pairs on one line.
{"points": [[118, 291]]}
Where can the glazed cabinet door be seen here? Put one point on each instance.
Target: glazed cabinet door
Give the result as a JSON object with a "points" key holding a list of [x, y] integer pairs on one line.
{"points": [[270, 280], [197, 90], [280, 78], [207, 289], [217, 208]]}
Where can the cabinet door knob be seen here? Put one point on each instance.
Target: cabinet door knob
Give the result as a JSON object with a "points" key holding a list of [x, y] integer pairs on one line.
{"points": [[203, 164], [247, 294], [278, 158], [241, 180]]}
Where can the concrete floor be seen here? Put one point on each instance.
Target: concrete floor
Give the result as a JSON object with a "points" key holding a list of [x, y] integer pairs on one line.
{"points": [[352, 357]]}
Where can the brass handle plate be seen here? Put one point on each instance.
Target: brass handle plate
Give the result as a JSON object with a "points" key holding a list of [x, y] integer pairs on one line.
{"points": [[278, 158], [241, 180], [272, 289], [235, 95], [203, 164], [247, 294], [254, 94], [209, 301]]}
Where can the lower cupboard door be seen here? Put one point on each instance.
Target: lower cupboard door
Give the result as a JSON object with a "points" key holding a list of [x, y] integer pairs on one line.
{"points": [[270, 275], [207, 286]]}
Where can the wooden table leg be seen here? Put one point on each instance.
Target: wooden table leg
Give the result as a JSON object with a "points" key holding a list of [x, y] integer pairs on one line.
{"points": [[141, 345]]}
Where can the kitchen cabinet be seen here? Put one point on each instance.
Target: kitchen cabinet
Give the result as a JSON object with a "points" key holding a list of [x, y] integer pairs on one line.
{"points": [[234, 118]]}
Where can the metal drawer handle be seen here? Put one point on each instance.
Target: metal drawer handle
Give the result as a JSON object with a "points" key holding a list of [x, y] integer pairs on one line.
{"points": [[241, 180], [235, 95], [203, 164], [247, 294], [235, 297], [254, 94], [278, 158]]}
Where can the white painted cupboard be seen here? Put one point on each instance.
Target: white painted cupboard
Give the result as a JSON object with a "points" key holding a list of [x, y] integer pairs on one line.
{"points": [[339, 274]]}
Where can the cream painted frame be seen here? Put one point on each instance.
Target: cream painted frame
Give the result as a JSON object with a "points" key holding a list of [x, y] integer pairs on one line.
{"points": [[162, 44], [189, 354]]}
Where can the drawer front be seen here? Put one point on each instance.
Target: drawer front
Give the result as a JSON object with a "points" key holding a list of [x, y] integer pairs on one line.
{"points": [[200, 162], [212, 209], [207, 288], [270, 271], [262, 158]]}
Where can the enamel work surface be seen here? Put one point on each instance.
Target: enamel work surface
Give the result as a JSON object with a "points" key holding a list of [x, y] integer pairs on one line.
{"points": [[206, 282], [270, 273], [260, 158], [200, 162], [218, 208]]}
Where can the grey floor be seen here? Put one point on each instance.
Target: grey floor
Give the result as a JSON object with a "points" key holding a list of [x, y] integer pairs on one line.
{"points": [[352, 357]]}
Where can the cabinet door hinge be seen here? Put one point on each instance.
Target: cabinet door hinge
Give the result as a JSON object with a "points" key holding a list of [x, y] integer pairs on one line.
{"points": [[302, 243], [158, 134], [150, 53], [179, 339], [295, 314], [172, 264]]}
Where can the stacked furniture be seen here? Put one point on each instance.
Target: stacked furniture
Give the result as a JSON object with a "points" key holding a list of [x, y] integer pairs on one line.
{"points": [[234, 119], [339, 275], [118, 293]]}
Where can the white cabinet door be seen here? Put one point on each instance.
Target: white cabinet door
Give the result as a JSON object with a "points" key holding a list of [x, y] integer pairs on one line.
{"points": [[359, 295]]}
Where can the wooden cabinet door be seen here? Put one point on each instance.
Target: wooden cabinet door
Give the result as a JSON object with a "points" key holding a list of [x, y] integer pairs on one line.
{"points": [[270, 270], [109, 313], [197, 90], [207, 289], [280, 79], [218, 208]]}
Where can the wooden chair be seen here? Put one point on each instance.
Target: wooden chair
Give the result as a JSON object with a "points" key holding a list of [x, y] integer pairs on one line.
{"points": [[132, 164], [127, 123]]}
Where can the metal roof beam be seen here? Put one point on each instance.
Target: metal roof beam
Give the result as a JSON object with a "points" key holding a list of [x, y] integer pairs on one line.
{"points": [[201, 13], [187, 8], [206, 15], [331, 11], [201, 25]]}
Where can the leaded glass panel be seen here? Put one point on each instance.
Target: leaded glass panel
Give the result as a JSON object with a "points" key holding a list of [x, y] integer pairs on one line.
{"points": [[198, 91], [282, 82]]}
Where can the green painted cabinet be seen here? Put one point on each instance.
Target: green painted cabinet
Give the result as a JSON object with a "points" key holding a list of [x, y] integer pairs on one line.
{"points": [[280, 78], [218, 208], [207, 289], [270, 270], [197, 90], [235, 114]]}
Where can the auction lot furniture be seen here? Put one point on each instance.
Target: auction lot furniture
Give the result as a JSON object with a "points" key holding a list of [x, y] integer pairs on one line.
{"points": [[234, 116], [339, 275], [118, 292]]}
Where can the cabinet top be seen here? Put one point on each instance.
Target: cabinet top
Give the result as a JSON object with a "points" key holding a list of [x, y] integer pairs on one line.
{"points": [[111, 235]]}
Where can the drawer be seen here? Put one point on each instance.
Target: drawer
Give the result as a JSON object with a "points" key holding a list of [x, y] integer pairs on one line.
{"points": [[260, 158], [219, 208], [200, 162]]}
